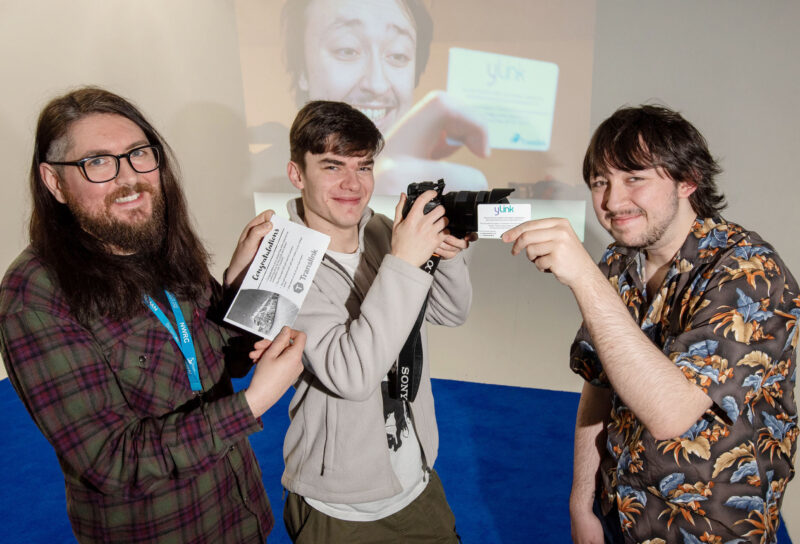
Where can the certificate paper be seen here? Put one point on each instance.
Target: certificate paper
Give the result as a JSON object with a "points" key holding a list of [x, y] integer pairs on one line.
{"points": [[514, 96], [278, 279]]}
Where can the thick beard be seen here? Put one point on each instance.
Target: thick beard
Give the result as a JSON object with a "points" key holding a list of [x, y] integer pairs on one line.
{"points": [[145, 236]]}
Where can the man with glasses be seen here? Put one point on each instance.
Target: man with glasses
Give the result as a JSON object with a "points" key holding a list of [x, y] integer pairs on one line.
{"points": [[110, 333]]}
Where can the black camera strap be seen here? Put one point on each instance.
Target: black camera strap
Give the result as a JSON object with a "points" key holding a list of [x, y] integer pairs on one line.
{"points": [[404, 381], [404, 384]]}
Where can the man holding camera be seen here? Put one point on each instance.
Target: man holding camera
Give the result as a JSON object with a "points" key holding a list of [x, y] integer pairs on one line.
{"points": [[363, 439], [687, 424]]}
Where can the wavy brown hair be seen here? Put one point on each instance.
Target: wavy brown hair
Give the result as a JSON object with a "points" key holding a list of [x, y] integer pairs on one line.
{"points": [[653, 136], [94, 281], [323, 126]]}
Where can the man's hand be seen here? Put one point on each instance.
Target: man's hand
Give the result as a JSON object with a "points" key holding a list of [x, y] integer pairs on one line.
{"points": [[423, 136], [552, 246], [259, 348], [277, 369], [416, 238], [246, 248], [586, 528], [452, 246]]}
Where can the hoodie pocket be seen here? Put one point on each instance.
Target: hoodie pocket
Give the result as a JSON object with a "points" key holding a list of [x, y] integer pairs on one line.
{"points": [[329, 448]]}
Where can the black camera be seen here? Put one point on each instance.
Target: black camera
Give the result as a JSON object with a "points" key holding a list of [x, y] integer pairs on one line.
{"points": [[460, 207]]}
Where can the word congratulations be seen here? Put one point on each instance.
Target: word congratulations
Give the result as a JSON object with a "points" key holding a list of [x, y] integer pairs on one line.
{"points": [[267, 250]]}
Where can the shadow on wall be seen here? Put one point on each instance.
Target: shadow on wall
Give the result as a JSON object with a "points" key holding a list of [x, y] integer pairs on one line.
{"points": [[218, 179]]}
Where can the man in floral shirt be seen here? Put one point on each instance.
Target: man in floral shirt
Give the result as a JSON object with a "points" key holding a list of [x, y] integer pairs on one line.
{"points": [[687, 423]]}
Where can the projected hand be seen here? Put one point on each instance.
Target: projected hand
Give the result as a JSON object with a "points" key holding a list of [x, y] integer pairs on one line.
{"points": [[246, 248], [420, 138], [415, 238], [277, 369], [552, 246]]}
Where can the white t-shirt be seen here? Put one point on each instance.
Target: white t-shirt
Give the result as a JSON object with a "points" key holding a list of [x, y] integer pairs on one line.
{"points": [[405, 453]]}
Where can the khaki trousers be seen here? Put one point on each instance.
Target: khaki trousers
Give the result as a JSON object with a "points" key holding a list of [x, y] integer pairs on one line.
{"points": [[428, 519]]}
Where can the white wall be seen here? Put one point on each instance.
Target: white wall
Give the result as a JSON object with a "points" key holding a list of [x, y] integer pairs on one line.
{"points": [[731, 68], [177, 59]]}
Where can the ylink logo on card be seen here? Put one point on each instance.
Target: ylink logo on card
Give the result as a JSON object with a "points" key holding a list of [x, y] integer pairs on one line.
{"points": [[503, 208]]}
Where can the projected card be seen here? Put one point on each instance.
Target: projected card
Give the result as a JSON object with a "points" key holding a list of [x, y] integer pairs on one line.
{"points": [[495, 219], [515, 96]]}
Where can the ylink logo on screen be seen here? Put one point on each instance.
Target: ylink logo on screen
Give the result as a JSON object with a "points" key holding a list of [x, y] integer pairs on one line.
{"points": [[504, 71], [503, 208]]}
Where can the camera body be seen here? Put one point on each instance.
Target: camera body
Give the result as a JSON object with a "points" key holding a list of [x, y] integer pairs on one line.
{"points": [[416, 189], [460, 207]]}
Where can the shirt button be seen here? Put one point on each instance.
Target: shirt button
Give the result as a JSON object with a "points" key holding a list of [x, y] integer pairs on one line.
{"points": [[142, 360], [232, 448]]}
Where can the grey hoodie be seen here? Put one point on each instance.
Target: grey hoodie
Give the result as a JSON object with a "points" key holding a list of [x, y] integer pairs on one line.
{"points": [[335, 449]]}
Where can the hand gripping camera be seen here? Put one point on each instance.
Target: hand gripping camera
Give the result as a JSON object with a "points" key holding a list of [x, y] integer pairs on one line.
{"points": [[460, 207]]}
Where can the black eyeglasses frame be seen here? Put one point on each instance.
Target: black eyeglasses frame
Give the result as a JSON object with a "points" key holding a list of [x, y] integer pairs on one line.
{"points": [[118, 158]]}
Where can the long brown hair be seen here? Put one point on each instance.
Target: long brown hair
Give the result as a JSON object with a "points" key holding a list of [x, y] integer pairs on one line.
{"points": [[94, 281]]}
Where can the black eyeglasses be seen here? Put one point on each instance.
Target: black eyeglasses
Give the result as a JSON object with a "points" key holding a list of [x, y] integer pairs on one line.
{"points": [[103, 168]]}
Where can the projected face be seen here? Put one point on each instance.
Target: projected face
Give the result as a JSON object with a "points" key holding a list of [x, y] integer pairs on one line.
{"points": [[361, 52]]}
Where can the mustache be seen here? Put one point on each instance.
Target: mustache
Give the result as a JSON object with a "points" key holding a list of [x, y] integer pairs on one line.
{"points": [[624, 213], [127, 190]]}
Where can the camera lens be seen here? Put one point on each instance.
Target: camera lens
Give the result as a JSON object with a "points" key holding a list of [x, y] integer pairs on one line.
{"points": [[461, 208]]}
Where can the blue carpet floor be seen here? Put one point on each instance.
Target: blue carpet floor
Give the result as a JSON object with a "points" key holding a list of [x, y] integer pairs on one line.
{"points": [[505, 460]]}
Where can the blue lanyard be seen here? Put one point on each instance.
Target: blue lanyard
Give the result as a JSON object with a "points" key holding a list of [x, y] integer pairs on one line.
{"points": [[184, 341]]}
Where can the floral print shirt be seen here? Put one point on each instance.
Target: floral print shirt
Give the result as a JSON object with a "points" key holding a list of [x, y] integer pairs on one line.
{"points": [[727, 315]]}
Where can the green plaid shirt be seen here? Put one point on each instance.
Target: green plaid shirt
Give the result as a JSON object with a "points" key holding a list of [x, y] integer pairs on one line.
{"points": [[144, 459]]}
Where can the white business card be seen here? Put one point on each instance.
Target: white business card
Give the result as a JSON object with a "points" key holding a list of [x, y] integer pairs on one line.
{"points": [[495, 219]]}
